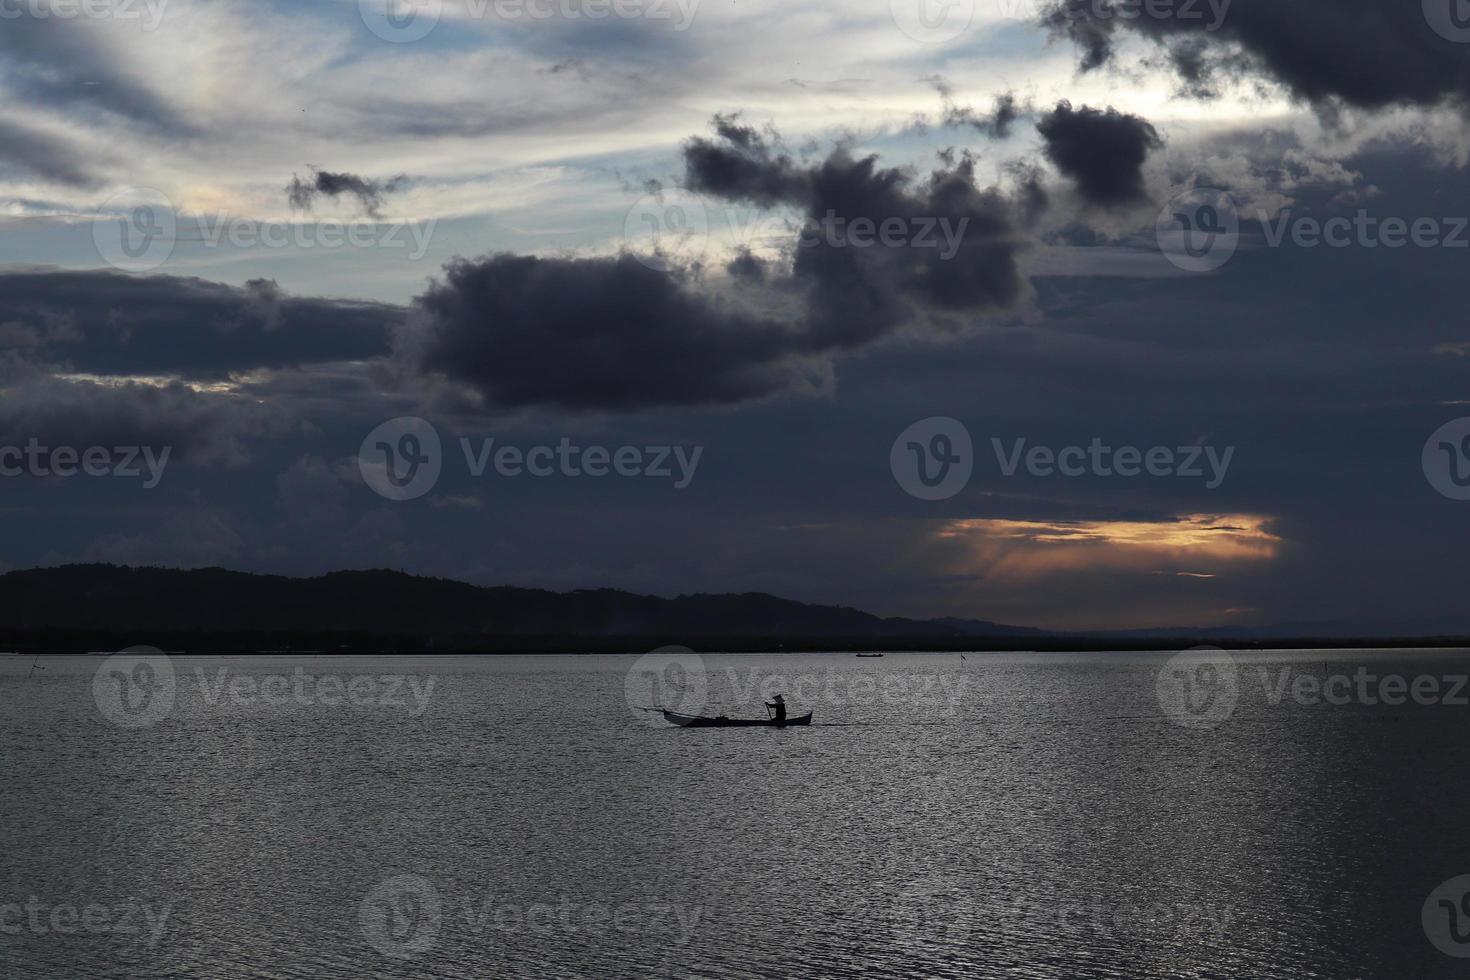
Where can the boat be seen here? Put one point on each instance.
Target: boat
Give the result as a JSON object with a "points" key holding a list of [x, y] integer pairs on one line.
{"points": [[870, 655], [700, 721]]}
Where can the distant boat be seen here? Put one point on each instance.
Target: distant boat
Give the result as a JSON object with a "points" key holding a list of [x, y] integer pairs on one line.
{"points": [[870, 655], [699, 721]]}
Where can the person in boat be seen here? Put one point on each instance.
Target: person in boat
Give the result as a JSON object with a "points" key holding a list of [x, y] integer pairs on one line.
{"points": [[779, 704]]}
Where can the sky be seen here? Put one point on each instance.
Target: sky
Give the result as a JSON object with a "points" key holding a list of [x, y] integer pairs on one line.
{"points": [[1073, 313]]}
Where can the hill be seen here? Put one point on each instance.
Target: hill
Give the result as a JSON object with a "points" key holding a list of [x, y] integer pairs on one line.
{"points": [[131, 604]]}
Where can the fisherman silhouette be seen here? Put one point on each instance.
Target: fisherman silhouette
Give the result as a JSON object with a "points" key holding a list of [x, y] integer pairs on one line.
{"points": [[780, 705]]}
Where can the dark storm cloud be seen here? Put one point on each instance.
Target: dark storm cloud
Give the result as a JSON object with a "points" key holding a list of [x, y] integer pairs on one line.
{"points": [[854, 293], [112, 323], [740, 165], [1032, 198], [369, 193], [1102, 151], [40, 155], [861, 293], [55, 62], [594, 334], [1004, 114], [613, 334], [1366, 53], [997, 125], [1197, 67], [746, 267], [197, 427]]}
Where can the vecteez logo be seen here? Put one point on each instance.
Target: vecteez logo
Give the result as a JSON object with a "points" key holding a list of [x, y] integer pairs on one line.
{"points": [[1198, 688], [140, 686], [1446, 917], [920, 232], [128, 920], [1199, 230], [139, 229], [403, 458], [45, 461], [1446, 459], [671, 677], [934, 458], [943, 908], [408, 916], [1450, 19], [666, 229], [932, 21], [149, 12], [136, 230], [401, 21], [135, 688], [401, 917]]}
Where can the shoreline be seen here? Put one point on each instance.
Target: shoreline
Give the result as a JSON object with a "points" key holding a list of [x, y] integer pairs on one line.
{"points": [[95, 644]]}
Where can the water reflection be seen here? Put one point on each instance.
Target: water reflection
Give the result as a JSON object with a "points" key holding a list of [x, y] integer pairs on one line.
{"points": [[1006, 815]]}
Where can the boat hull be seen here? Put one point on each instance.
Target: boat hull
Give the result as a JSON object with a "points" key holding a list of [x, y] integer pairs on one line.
{"points": [[699, 721]]}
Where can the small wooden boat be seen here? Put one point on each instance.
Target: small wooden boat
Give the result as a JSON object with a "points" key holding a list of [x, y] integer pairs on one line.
{"points": [[870, 655], [699, 721]]}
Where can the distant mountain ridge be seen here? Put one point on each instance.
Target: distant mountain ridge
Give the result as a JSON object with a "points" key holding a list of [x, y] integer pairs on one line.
{"points": [[74, 608], [116, 598]]}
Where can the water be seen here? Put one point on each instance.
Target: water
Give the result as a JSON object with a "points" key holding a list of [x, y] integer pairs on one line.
{"points": [[1011, 815]]}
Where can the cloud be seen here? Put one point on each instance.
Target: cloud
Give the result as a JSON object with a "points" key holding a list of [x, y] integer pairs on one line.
{"points": [[997, 125], [55, 62], [1102, 151], [746, 267], [369, 193], [856, 293], [613, 334], [40, 155], [574, 65], [596, 334], [194, 426], [740, 165], [112, 323], [197, 538], [1363, 53]]}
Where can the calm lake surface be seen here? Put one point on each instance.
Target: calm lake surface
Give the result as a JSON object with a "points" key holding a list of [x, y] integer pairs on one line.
{"points": [[1009, 815]]}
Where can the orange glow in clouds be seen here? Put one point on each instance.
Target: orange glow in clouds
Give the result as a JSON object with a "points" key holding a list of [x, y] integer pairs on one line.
{"points": [[1197, 543]]}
